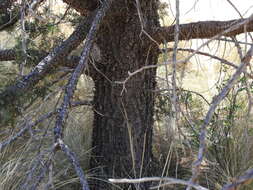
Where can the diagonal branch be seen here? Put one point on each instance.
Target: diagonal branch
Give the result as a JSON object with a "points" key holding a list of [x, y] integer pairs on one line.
{"points": [[242, 180], [215, 102], [73, 159], [71, 86], [203, 29], [69, 92], [26, 126], [13, 93]]}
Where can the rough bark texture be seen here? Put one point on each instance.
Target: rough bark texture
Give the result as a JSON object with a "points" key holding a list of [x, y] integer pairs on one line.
{"points": [[122, 133]]}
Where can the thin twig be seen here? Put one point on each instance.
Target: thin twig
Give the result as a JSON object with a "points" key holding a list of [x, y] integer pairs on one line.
{"points": [[211, 56], [215, 102], [174, 68], [24, 128]]}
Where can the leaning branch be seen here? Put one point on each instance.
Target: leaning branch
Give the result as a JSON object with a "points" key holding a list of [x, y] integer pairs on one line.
{"points": [[204, 29], [215, 102], [69, 92], [31, 124], [71, 86], [13, 93], [245, 179]]}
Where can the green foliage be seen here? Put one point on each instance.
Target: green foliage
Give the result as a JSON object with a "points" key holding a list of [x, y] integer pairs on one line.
{"points": [[229, 135]]}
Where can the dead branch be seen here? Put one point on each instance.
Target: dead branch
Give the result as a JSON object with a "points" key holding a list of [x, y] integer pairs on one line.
{"points": [[27, 126], [166, 181], [13, 55], [70, 88], [24, 128], [240, 181], [73, 159], [204, 29], [224, 61], [215, 102], [13, 93]]}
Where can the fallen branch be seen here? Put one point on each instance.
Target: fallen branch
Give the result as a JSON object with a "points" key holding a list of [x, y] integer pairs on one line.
{"points": [[167, 181]]}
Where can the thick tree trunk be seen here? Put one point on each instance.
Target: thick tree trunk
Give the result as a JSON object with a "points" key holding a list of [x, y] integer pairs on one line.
{"points": [[122, 133]]}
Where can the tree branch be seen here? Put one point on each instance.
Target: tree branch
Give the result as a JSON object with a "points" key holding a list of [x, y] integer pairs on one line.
{"points": [[240, 181], [13, 93], [224, 61], [78, 169], [215, 102], [204, 29], [71, 86], [10, 14], [166, 181], [13, 54], [36, 55]]}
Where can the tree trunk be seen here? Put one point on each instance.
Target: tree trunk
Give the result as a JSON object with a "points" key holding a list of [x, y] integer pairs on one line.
{"points": [[122, 131]]}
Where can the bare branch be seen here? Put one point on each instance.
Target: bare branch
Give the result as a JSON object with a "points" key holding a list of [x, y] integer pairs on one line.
{"points": [[27, 126], [12, 55], [204, 29], [224, 61], [13, 93], [167, 181], [73, 159], [70, 88], [242, 180], [24, 128], [174, 69], [215, 102]]}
